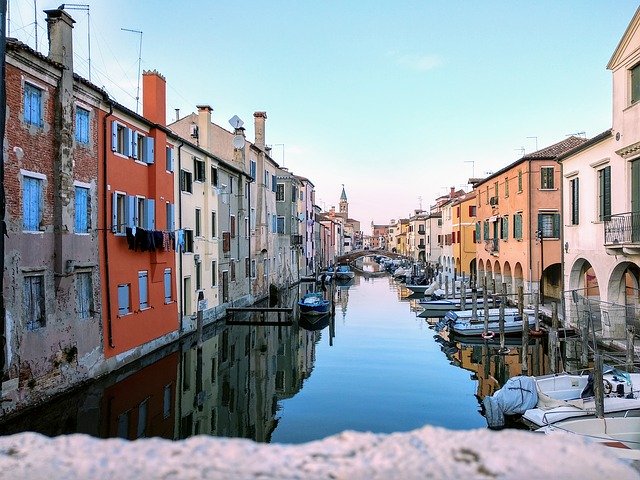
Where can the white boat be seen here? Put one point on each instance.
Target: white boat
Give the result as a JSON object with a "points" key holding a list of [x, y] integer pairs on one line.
{"points": [[447, 304], [564, 396], [468, 326], [343, 272], [423, 289], [622, 434]]}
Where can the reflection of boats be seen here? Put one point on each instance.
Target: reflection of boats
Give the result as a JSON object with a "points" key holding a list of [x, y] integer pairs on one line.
{"points": [[562, 396], [314, 322], [313, 304], [622, 434], [344, 272], [462, 323]]}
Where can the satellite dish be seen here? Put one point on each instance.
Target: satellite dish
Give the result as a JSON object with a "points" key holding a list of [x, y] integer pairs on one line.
{"points": [[238, 141], [235, 122], [301, 216]]}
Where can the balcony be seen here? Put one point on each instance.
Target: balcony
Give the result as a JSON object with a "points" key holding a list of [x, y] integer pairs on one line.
{"points": [[421, 246], [296, 240], [491, 246], [421, 231], [622, 233]]}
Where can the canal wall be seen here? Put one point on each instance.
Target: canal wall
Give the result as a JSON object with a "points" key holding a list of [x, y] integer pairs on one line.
{"points": [[428, 452]]}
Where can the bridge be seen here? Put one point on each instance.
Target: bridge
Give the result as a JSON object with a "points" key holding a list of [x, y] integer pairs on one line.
{"points": [[356, 254]]}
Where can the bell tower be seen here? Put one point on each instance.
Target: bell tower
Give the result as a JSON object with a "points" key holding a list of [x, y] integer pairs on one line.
{"points": [[344, 204]]}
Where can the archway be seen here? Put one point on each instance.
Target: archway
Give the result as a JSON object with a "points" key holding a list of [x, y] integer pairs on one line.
{"points": [[624, 295], [480, 273], [583, 303], [488, 276], [552, 283], [508, 279], [497, 276], [518, 279]]}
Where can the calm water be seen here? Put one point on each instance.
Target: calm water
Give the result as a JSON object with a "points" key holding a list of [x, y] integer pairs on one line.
{"points": [[376, 367]]}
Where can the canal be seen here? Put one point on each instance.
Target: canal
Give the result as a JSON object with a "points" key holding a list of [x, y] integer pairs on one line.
{"points": [[374, 367]]}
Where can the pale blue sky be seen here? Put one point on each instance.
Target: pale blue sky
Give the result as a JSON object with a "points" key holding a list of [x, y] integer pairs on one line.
{"points": [[392, 99]]}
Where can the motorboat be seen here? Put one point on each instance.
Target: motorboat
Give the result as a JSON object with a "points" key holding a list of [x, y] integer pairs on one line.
{"points": [[313, 304], [343, 272], [463, 322], [622, 434], [447, 304], [563, 396]]}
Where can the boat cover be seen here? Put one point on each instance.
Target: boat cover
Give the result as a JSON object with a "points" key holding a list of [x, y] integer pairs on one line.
{"points": [[516, 396]]}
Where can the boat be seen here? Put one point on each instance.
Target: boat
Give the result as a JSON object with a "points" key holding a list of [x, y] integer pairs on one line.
{"points": [[447, 304], [343, 272], [463, 323], [313, 304], [426, 289], [559, 397], [621, 434]]}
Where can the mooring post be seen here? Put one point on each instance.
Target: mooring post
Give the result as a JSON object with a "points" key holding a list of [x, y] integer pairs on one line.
{"points": [[630, 348], [493, 287], [584, 333], [536, 309], [553, 339], [524, 356], [503, 299], [474, 303], [463, 294], [598, 384], [446, 288], [485, 303]]}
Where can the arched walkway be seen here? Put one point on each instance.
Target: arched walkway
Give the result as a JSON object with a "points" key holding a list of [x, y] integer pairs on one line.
{"points": [[508, 279]]}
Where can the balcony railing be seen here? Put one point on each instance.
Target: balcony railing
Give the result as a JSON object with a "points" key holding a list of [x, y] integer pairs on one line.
{"points": [[622, 229]]}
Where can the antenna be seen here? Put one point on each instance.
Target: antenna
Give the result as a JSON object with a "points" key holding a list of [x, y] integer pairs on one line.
{"points": [[473, 167], [35, 21], [521, 150], [536, 141], [139, 32], [83, 7], [578, 134]]}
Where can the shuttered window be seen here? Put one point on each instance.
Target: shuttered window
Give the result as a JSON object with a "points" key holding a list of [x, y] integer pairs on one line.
{"points": [[486, 230], [143, 289], [82, 125], [32, 105], [517, 226], [546, 178], [504, 228], [635, 84], [169, 152], [124, 304], [168, 297], [604, 194], [33, 301], [575, 201], [31, 204], [232, 223], [82, 221], [549, 225], [171, 216], [84, 294]]}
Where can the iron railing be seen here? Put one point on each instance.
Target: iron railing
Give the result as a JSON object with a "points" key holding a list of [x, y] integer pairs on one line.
{"points": [[622, 228]]}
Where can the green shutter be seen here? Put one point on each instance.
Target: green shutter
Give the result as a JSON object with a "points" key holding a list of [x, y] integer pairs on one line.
{"points": [[556, 225]]}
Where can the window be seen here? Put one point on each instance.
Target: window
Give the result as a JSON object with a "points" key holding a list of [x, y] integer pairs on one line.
{"points": [[214, 176], [247, 267], [265, 267], [232, 226], [142, 148], [546, 178], [198, 168], [186, 181], [604, 194], [274, 184], [575, 201], [280, 192], [32, 220], [142, 419], [214, 225], [143, 287], [188, 241], [485, 232], [549, 224], [279, 224], [198, 223], [122, 212], [504, 228], [495, 189], [33, 301], [635, 84], [198, 275], [139, 211], [520, 180], [144, 213], [171, 216], [246, 227], [168, 282], [232, 270], [121, 138], [267, 176], [294, 193], [252, 169], [32, 105], [472, 213], [124, 295], [82, 125], [517, 226], [274, 224], [169, 152], [476, 236], [82, 211], [214, 273], [506, 186], [84, 295], [253, 268]]}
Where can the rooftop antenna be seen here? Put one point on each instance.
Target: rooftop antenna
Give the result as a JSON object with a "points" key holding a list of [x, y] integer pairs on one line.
{"points": [[83, 7], [521, 150], [536, 141], [578, 134], [473, 167], [139, 32], [35, 21]]}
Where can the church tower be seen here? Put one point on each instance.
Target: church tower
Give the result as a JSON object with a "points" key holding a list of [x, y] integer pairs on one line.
{"points": [[344, 204]]}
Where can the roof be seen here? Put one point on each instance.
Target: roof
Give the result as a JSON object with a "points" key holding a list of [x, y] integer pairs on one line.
{"points": [[551, 152], [344, 195], [592, 141]]}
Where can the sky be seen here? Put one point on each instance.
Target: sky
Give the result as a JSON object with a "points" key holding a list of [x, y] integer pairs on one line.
{"points": [[396, 100]]}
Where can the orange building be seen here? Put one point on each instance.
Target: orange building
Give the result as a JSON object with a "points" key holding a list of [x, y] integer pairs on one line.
{"points": [[136, 188], [463, 234], [518, 227]]}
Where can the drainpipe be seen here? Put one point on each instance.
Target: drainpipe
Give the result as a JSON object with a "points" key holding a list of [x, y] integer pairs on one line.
{"points": [[105, 229], [180, 283], [530, 220], [561, 243], [249, 182]]}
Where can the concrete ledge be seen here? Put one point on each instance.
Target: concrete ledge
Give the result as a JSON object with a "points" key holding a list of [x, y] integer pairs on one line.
{"points": [[425, 453]]}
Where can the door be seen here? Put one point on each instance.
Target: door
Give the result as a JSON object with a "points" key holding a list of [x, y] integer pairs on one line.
{"points": [[225, 286]]}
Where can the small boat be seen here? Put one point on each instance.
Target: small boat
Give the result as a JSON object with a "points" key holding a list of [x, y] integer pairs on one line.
{"points": [[344, 272], [620, 433], [422, 289], [563, 396], [313, 304], [447, 304], [462, 323]]}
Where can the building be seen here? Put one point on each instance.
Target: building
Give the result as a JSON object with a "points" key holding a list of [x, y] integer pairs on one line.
{"points": [[463, 234], [417, 242], [601, 201], [518, 223]]}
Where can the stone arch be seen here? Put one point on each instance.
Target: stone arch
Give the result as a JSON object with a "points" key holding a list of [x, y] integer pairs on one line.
{"points": [[497, 276], [488, 276], [623, 284], [518, 277], [552, 283], [584, 280], [508, 278], [481, 272]]}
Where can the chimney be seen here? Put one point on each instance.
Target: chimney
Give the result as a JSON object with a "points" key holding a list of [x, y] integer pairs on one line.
{"points": [[204, 122], [452, 191], [259, 117], [60, 31], [154, 97]]}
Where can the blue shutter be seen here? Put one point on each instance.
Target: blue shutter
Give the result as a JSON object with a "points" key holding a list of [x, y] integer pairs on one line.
{"points": [[123, 299], [81, 210], [171, 215], [114, 136], [149, 150], [169, 159], [36, 107], [143, 289], [31, 204], [127, 142], [130, 210], [149, 220], [167, 286], [134, 144], [114, 212], [273, 183]]}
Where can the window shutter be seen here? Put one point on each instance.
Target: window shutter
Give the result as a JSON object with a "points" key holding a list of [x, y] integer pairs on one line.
{"points": [[149, 220], [540, 224], [149, 150], [81, 210], [169, 159], [130, 210], [134, 144], [29, 211], [167, 286], [127, 142], [607, 194], [273, 183], [226, 241], [123, 299], [114, 212], [143, 289], [114, 136], [171, 212], [556, 225]]}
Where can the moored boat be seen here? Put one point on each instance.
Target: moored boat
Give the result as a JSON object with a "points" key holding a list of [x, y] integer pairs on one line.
{"points": [[463, 323], [313, 304], [343, 272]]}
